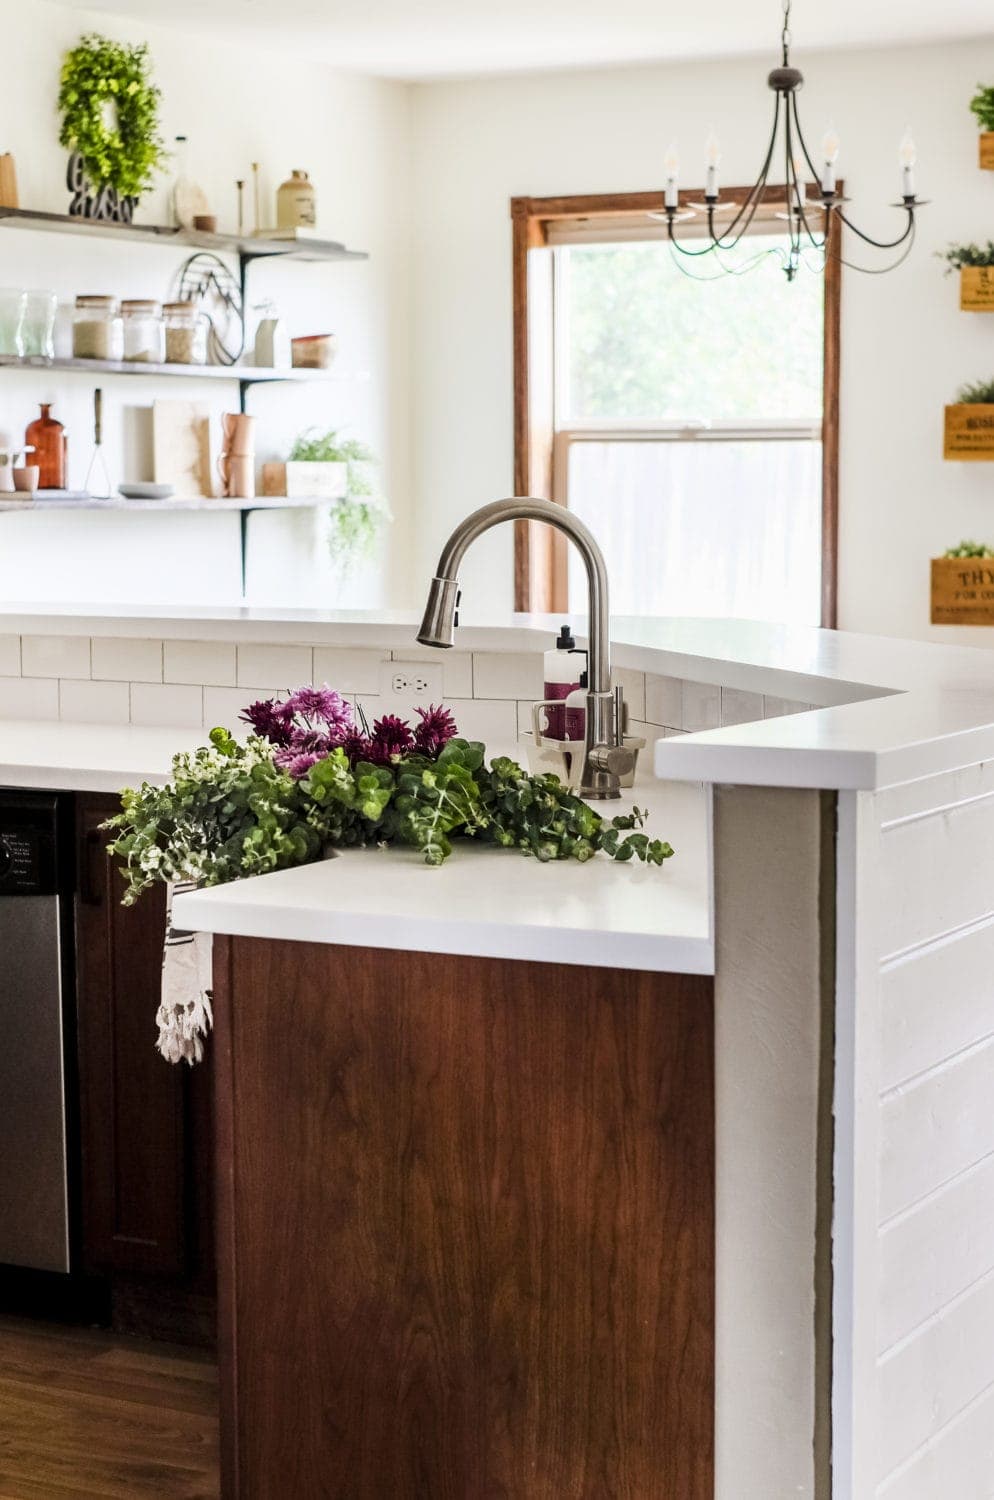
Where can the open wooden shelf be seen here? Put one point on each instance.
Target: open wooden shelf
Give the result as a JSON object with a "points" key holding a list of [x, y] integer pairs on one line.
{"points": [[248, 374], [117, 503], [248, 246]]}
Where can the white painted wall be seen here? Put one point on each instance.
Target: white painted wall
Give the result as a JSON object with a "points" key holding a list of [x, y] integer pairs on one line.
{"points": [[906, 346], [236, 104]]}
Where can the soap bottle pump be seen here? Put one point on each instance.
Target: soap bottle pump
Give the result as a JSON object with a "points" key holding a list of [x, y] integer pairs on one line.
{"points": [[565, 669]]}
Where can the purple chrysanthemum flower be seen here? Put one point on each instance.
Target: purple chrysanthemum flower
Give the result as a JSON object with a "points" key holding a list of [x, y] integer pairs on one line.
{"points": [[268, 720], [323, 704], [391, 738], [310, 741], [437, 727], [356, 746], [299, 765]]}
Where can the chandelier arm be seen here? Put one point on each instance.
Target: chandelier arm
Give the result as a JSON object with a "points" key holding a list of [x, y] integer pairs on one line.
{"points": [[800, 137], [877, 270], [751, 205], [883, 244]]}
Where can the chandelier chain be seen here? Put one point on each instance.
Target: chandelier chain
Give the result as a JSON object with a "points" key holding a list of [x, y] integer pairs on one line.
{"points": [[785, 35]]}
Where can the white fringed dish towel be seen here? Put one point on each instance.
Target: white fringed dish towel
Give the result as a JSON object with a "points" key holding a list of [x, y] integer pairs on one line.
{"points": [[184, 1016]]}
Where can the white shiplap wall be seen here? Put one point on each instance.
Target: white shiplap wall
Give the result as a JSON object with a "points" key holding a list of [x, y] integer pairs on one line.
{"points": [[914, 1418]]}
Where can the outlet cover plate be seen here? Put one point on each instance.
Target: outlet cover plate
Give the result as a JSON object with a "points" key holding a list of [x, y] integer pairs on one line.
{"points": [[413, 681]]}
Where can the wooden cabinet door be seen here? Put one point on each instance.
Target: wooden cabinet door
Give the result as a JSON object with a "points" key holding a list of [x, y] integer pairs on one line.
{"points": [[145, 1165]]}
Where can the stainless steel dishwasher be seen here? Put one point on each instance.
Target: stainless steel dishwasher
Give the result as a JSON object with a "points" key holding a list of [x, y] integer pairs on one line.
{"points": [[36, 885]]}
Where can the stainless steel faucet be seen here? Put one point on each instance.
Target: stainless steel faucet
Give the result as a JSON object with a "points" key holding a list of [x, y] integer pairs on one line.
{"points": [[605, 756]]}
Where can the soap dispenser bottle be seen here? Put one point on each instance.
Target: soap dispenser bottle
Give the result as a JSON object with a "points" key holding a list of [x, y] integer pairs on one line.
{"points": [[565, 668]]}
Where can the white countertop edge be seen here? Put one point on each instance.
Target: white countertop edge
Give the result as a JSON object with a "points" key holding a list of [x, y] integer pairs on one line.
{"points": [[207, 911]]}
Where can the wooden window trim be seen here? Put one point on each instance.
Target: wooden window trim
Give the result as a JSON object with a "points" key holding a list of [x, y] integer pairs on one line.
{"points": [[539, 553]]}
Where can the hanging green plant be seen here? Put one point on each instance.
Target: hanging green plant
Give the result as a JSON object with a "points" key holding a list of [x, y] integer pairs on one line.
{"points": [[110, 113], [356, 520]]}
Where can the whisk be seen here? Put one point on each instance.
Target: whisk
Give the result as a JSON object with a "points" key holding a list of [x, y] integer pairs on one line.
{"points": [[98, 464]]}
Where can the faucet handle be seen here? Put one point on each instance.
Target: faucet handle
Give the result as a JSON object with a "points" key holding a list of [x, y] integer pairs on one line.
{"points": [[615, 760]]}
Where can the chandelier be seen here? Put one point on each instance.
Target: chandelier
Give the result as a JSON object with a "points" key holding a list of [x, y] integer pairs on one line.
{"points": [[808, 220]]}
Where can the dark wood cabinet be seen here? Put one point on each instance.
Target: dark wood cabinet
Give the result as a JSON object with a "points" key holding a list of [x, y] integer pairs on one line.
{"points": [[466, 1227], [145, 1126]]}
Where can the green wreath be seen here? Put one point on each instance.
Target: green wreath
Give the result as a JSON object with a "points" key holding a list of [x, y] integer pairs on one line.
{"points": [[120, 147]]}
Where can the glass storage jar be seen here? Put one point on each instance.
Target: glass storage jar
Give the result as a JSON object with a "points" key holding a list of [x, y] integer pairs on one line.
{"points": [[38, 323], [11, 320], [144, 335], [186, 334], [97, 332]]}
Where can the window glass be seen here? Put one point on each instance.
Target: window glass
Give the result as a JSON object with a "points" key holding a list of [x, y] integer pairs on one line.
{"points": [[702, 528], [639, 338]]}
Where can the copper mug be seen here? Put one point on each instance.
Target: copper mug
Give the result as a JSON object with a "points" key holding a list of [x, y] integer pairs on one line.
{"points": [[236, 464]]}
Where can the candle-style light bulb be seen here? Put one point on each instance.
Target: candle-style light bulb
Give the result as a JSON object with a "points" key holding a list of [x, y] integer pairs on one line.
{"points": [[830, 155], [712, 152], [907, 155], [671, 166]]}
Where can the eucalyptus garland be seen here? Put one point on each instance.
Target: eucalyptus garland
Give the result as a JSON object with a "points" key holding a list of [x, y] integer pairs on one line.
{"points": [[120, 145], [310, 780]]}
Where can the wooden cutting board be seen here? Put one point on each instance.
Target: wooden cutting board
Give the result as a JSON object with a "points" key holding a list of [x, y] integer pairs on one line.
{"points": [[181, 446]]}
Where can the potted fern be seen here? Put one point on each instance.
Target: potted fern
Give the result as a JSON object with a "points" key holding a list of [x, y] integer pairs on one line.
{"points": [[969, 424], [982, 105], [975, 264]]}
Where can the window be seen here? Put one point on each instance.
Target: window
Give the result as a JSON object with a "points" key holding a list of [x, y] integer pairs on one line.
{"points": [[683, 422]]}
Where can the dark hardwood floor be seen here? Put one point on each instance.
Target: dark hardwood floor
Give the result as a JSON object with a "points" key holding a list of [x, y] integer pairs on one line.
{"points": [[88, 1415]]}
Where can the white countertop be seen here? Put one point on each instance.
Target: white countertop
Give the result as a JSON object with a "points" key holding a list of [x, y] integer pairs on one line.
{"points": [[495, 903], [887, 710], [88, 757]]}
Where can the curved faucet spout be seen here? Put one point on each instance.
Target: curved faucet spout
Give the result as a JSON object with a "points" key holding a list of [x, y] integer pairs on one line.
{"points": [[605, 755], [443, 598]]}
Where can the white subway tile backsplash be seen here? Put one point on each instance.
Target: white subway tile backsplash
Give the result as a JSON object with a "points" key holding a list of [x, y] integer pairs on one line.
{"points": [[494, 722], [209, 662], [663, 704], [633, 687], [123, 660], [94, 702], [740, 707], [280, 666], [55, 655], [701, 706], [29, 698], [10, 656], [222, 705], [167, 704], [348, 671], [511, 674], [457, 667]]}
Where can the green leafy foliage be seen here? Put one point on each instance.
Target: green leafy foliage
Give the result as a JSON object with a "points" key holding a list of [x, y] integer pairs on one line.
{"points": [[982, 105], [958, 256], [230, 811], [970, 549], [110, 113], [977, 392], [356, 519]]}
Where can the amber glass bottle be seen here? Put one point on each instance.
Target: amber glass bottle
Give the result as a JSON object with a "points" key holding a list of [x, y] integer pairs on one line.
{"points": [[47, 437]]}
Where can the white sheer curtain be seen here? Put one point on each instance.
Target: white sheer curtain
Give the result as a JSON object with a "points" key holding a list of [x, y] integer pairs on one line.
{"points": [[719, 528]]}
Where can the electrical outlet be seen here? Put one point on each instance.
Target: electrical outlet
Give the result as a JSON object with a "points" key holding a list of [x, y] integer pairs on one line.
{"points": [[411, 680]]}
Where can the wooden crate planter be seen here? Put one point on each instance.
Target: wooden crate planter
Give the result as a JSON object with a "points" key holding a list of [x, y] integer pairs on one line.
{"points": [[976, 288], [969, 432], [987, 150], [963, 591]]}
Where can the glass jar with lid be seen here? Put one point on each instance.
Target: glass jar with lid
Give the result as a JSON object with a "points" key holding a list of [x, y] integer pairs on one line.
{"points": [[97, 331], [186, 333], [144, 334]]}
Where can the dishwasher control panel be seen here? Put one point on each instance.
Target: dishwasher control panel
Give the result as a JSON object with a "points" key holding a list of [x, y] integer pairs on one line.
{"points": [[28, 826]]}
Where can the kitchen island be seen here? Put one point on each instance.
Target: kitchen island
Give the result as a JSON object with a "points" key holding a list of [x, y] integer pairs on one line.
{"points": [[486, 1228]]}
